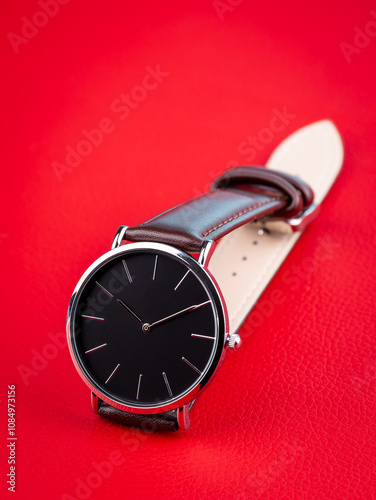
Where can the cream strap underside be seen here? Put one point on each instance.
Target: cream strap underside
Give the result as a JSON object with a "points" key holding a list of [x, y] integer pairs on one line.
{"points": [[245, 261]]}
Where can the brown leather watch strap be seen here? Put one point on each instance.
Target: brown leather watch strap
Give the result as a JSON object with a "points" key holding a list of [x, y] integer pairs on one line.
{"points": [[241, 195], [149, 423]]}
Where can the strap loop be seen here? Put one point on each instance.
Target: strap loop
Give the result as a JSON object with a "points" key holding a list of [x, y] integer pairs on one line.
{"points": [[254, 179]]}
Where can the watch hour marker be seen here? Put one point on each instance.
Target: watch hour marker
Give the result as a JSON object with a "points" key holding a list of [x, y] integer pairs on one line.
{"points": [[104, 290], [183, 278], [190, 364], [167, 384], [155, 267], [127, 271], [95, 348], [138, 385], [92, 317], [112, 374], [202, 336]]}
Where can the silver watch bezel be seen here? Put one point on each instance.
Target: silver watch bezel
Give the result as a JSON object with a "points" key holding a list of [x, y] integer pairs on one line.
{"points": [[221, 318]]}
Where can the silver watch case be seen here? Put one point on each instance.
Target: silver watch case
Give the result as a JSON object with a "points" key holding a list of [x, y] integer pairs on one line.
{"points": [[199, 267]]}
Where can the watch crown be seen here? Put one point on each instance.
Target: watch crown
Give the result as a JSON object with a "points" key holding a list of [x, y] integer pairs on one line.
{"points": [[233, 341]]}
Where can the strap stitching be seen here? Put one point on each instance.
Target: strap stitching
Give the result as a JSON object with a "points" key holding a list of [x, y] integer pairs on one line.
{"points": [[239, 215]]}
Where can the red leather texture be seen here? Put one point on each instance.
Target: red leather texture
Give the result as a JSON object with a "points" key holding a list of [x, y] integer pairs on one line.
{"points": [[113, 112]]}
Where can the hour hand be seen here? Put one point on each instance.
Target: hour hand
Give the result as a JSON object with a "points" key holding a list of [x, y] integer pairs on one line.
{"points": [[129, 310]]}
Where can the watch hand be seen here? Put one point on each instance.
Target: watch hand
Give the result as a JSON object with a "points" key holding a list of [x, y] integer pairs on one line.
{"points": [[179, 313], [130, 311]]}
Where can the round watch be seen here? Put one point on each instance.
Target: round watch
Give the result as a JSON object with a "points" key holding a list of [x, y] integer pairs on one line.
{"points": [[150, 321]]}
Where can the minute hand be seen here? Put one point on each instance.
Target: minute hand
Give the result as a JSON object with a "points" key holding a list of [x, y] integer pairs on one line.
{"points": [[179, 313]]}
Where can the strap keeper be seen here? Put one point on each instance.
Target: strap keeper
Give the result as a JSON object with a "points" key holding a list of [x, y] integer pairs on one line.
{"points": [[300, 222]]}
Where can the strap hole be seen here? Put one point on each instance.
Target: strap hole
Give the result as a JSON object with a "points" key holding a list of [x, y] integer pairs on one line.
{"points": [[245, 257], [233, 274], [255, 242]]}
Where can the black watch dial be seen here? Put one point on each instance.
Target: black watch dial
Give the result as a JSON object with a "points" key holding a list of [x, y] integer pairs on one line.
{"points": [[145, 328]]}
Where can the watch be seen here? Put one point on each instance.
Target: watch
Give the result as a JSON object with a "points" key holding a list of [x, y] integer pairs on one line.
{"points": [[150, 321]]}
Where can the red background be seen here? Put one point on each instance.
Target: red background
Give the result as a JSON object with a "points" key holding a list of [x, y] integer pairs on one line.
{"points": [[292, 414]]}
